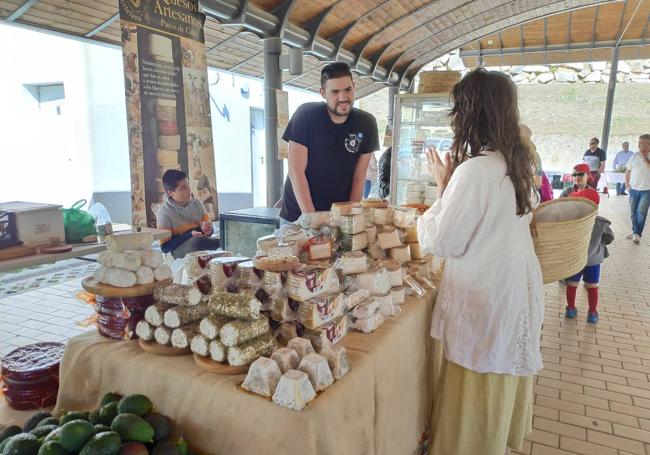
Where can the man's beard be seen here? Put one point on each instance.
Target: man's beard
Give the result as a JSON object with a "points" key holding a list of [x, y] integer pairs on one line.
{"points": [[339, 114]]}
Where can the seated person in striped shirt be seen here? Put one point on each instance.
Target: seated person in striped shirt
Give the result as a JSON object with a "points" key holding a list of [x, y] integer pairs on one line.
{"points": [[185, 217]]}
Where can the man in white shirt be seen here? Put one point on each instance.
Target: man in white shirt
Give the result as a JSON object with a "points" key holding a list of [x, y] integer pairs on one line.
{"points": [[619, 165], [637, 182]]}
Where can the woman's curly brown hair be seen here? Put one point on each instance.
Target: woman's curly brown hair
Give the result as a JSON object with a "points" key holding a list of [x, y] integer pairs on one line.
{"points": [[485, 116]]}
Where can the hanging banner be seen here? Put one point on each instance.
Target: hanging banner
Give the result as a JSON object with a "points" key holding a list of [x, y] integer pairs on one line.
{"points": [[167, 100]]}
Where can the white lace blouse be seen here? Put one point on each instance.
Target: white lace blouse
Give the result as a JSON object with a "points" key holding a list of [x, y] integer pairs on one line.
{"points": [[490, 304]]}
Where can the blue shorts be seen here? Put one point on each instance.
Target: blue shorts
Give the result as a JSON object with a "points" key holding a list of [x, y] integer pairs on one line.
{"points": [[590, 274]]}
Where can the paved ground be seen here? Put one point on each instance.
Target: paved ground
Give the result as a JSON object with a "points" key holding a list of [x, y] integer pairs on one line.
{"points": [[593, 397]]}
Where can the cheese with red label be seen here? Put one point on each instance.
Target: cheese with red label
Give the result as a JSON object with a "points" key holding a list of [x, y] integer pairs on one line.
{"points": [[328, 334], [306, 283], [321, 310], [224, 269]]}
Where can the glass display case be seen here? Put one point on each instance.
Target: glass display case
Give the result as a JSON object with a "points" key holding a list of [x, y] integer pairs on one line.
{"points": [[419, 121]]}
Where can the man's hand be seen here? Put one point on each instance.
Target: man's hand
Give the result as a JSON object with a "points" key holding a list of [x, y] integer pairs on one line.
{"points": [[197, 234], [206, 228]]}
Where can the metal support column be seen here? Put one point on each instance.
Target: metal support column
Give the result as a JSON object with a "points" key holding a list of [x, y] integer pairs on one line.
{"points": [[272, 82], [611, 89], [392, 92]]}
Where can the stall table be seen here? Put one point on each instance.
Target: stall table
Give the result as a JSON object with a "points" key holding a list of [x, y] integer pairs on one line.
{"points": [[382, 406], [78, 250]]}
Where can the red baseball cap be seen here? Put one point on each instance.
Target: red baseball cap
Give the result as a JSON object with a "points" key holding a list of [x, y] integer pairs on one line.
{"points": [[583, 167], [587, 193]]}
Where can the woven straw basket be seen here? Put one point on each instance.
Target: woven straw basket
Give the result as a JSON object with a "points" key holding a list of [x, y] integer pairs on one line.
{"points": [[561, 231], [437, 81]]}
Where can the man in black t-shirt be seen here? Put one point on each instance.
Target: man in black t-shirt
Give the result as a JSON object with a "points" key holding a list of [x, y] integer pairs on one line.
{"points": [[595, 157], [330, 146]]}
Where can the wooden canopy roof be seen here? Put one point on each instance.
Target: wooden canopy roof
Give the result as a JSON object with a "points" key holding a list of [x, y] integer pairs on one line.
{"points": [[584, 35], [385, 41]]}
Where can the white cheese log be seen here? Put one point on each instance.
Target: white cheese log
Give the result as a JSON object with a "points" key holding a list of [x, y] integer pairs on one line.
{"points": [[126, 261], [237, 332], [149, 258], [318, 371], [119, 243], [182, 315], [144, 275], [182, 336], [294, 390], [263, 377], [250, 351], [178, 294], [218, 352], [210, 326], [155, 314], [200, 345], [162, 272], [144, 330], [115, 277], [163, 335]]}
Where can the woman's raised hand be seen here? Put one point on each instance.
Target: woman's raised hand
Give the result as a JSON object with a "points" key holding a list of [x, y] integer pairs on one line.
{"points": [[439, 168]]}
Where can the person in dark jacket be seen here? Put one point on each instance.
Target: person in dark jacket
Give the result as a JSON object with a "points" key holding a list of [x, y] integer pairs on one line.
{"points": [[384, 173], [601, 236]]}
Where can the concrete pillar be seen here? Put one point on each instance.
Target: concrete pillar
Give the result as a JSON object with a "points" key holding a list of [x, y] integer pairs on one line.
{"points": [[611, 90], [272, 82]]}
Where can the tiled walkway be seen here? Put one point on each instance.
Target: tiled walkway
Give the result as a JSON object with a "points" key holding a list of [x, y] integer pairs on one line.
{"points": [[592, 398]]}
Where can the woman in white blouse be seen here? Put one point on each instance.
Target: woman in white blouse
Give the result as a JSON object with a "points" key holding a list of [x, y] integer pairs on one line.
{"points": [[490, 305]]}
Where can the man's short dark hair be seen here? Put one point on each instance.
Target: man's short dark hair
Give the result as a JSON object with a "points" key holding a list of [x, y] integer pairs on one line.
{"points": [[594, 139], [171, 179], [334, 71]]}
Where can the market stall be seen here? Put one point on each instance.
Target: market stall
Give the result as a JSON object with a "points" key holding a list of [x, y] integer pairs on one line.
{"points": [[381, 406]]}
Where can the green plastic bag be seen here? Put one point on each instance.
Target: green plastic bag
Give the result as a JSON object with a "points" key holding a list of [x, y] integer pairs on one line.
{"points": [[78, 223]]}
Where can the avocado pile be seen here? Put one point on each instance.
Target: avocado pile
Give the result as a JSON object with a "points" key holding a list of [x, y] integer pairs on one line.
{"points": [[121, 426]]}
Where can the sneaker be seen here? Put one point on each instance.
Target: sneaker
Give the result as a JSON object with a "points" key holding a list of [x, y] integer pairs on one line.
{"points": [[623, 193], [629, 237], [571, 313], [636, 239], [592, 316]]}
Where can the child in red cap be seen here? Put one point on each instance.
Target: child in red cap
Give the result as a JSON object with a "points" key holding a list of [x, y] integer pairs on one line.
{"points": [[601, 235]]}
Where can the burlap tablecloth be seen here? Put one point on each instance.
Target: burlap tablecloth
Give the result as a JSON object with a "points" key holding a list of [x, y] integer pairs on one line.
{"points": [[382, 406]]}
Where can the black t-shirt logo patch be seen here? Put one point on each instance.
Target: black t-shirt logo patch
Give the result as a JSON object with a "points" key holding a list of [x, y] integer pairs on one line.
{"points": [[353, 142]]}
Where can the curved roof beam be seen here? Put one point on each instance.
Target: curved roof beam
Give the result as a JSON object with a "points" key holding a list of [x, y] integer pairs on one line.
{"points": [[422, 59], [313, 26]]}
